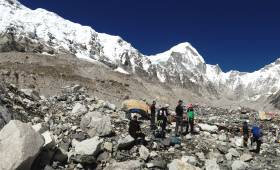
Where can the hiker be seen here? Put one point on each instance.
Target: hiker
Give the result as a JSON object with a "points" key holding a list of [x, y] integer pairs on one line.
{"points": [[179, 117], [256, 137], [153, 114], [190, 115], [245, 133], [162, 121], [134, 129]]}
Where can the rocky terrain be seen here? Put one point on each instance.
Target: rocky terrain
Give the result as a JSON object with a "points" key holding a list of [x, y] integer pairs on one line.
{"points": [[62, 85], [75, 130]]}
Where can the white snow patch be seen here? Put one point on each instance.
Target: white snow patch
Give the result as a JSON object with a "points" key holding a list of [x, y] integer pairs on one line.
{"points": [[121, 70]]}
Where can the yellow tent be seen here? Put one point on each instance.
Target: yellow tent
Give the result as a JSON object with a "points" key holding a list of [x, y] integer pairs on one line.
{"points": [[264, 116], [136, 106]]}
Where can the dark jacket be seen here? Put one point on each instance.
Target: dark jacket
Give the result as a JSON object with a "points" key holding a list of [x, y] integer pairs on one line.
{"points": [[245, 129], [153, 110], [134, 127], [179, 110]]}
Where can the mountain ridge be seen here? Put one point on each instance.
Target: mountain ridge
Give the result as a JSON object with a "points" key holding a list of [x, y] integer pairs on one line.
{"points": [[41, 31]]}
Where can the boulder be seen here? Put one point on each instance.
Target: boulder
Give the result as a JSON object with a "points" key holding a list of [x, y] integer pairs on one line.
{"points": [[127, 165], [88, 147], [228, 156], [96, 124], [19, 145], [125, 143], [31, 93], [108, 146], [49, 140], [246, 157], [208, 128], [157, 164], [223, 137], [239, 165], [181, 165], [39, 128], [79, 109], [190, 159], [211, 165], [5, 116], [144, 153], [110, 106], [233, 152]]}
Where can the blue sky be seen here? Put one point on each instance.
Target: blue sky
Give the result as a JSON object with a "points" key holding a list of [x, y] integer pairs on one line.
{"points": [[242, 35]]}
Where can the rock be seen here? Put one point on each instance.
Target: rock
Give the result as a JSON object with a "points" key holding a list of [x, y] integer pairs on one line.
{"points": [[228, 156], [49, 140], [188, 137], [238, 141], [79, 109], [144, 153], [110, 106], [153, 154], [200, 156], [59, 156], [208, 128], [223, 137], [48, 168], [89, 147], [161, 164], [166, 142], [246, 157], [84, 159], [239, 165], [5, 116], [104, 156], [75, 88], [215, 156], [181, 165], [233, 152], [31, 93], [222, 149], [96, 124], [211, 165], [125, 143], [19, 145], [108, 146], [127, 165], [190, 159], [39, 128]]}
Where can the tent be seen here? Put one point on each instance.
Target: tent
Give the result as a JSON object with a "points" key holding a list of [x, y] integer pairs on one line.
{"points": [[264, 116], [136, 106]]}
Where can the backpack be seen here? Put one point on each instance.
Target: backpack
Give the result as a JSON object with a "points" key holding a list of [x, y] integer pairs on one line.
{"points": [[175, 141], [256, 132]]}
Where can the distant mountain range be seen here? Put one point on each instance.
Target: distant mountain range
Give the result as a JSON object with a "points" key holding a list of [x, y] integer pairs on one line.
{"points": [[41, 31]]}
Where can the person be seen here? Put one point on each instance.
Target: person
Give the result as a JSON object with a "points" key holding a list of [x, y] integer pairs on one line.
{"points": [[190, 112], [257, 134], [179, 117], [135, 130], [162, 121], [245, 133], [153, 114]]}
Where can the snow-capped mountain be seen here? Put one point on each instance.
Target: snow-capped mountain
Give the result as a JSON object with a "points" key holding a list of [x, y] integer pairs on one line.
{"points": [[41, 31], [23, 29]]}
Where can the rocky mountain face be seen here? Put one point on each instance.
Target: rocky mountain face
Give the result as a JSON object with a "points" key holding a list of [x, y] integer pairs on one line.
{"points": [[41, 31]]}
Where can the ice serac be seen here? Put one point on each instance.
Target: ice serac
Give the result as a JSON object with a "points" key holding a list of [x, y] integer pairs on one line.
{"points": [[41, 31]]}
